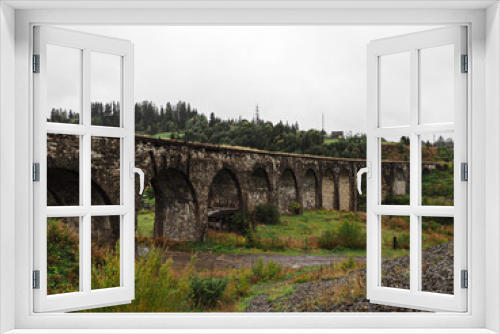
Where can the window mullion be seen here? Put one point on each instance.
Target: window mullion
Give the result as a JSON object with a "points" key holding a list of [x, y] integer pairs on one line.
{"points": [[415, 251], [86, 183]]}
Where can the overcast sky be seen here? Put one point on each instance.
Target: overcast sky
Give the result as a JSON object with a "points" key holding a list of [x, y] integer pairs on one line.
{"points": [[294, 73]]}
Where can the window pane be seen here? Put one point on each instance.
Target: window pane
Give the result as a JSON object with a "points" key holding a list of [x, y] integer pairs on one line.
{"points": [[63, 170], [105, 252], [63, 255], [105, 89], [64, 84], [437, 84], [105, 171], [395, 170], [395, 252], [395, 90], [437, 169], [437, 254]]}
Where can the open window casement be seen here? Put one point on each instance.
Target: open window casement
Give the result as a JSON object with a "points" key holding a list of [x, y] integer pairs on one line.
{"points": [[417, 89], [73, 70]]}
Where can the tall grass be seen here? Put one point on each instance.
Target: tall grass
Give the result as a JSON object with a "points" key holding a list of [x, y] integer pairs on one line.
{"points": [[158, 287], [63, 260], [349, 235]]}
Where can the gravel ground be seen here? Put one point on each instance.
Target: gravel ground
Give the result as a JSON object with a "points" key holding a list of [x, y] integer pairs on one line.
{"points": [[437, 276]]}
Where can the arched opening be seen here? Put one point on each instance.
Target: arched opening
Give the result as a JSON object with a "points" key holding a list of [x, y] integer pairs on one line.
{"points": [[344, 190], [399, 184], [287, 190], [310, 191], [63, 189], [259, 188], [328, 190], [176, 208], [225, 191]]}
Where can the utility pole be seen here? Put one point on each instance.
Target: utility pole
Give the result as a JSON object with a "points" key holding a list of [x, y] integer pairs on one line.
{"points": [[323, 122]]}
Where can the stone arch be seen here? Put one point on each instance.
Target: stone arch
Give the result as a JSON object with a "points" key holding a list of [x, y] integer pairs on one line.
{"points": [[328, 190], [310, 190], [344, 190], [225, 191], [176, 211], [259, 191], [288, 190], [399, 184], [63, 189]]}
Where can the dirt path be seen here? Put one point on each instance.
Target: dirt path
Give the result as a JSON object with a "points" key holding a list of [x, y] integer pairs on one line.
{"points": [[207, 260]]}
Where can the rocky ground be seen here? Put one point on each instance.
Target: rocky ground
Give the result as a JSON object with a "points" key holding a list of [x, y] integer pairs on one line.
{"points": [[347, 294]]}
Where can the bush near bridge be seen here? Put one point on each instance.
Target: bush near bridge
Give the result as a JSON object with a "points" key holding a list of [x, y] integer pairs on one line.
{"points": [[266, 214]]}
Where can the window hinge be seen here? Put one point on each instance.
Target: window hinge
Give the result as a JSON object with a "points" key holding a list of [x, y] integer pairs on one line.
{"points": [[465, 64], [464, 172], [36, 63], [36, 279], [465, 279], [36, 172]]}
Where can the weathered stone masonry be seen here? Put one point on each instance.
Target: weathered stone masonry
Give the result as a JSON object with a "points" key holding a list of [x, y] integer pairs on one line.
{"points": [[189, 179]]}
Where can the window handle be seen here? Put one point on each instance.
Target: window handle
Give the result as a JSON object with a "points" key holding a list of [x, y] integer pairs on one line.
{"points": [[368, 171], [134, 170]]}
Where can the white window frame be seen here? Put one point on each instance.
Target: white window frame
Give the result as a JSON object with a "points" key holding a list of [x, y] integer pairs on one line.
{"points": [[412, 44], [85, 298], [483, 100]]}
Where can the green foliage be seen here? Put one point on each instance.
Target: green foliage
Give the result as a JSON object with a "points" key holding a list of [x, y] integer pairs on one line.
{"points": [[240, 222], [207, 291], [349, 235], [266, 214], [329, 240], [403, 241], [348, 263], [62, 258], [438, 187], [241, 286], [157, 287], [294, 208], [266, 272]]}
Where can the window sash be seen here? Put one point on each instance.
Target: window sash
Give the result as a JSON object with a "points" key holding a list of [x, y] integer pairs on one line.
{"points": [[86, 298], [414, 298]]}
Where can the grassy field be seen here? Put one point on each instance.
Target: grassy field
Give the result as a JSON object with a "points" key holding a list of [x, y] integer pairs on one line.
{"points": [[301, 234], [327, 141]]}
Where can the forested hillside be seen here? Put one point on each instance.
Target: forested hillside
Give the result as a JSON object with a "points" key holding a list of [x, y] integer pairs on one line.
{"points": [[182, 121]]}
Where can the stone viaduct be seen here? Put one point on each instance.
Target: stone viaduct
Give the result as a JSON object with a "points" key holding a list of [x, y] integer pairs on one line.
{"points": [[190, 179]]}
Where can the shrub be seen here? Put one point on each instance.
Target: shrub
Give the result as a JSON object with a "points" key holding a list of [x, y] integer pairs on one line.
{"points": [[351, 235], [263, 273], [207, 291], [266, 214], [240, 286], [328, 240], [294, 208], [240, 222]]}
